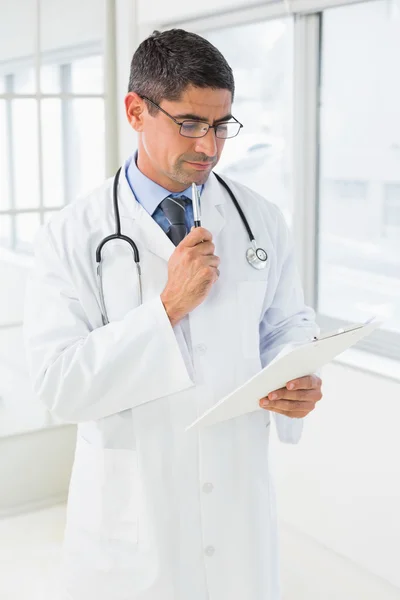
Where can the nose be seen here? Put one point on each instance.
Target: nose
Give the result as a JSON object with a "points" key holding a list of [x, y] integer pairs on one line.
{"points": [[207, 144]]}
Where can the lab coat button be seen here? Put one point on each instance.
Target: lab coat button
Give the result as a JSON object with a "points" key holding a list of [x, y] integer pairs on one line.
{"points": [[210, 550], [201, 349], [208, 488]]}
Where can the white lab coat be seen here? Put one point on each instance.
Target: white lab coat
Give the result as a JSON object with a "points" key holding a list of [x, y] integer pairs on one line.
{"points": [[155, 513]]}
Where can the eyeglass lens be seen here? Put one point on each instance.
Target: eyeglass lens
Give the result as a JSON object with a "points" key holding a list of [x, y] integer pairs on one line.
{"points": [[199, 129]]}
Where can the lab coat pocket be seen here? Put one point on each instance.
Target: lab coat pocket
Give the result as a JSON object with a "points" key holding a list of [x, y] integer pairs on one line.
{"points": [[120, 497], [250, 298], [103, 493], [84, 498]]}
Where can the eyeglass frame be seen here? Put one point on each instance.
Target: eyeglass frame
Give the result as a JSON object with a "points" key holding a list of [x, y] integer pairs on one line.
{"points": [[194, 121]]}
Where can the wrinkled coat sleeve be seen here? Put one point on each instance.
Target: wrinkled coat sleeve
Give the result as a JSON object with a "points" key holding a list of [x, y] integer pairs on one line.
{"points": [[287, 320], [83, 374]]}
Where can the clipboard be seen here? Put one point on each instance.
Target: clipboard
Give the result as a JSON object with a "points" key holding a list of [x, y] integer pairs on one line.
{"points": [[293, 361]]}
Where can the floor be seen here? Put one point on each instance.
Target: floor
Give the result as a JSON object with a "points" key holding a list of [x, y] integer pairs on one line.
{"points": [[30, 552], [312, 572]]}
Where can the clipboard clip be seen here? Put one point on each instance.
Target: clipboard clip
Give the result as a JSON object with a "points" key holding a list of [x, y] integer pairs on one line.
{"points": [[343, 330]]}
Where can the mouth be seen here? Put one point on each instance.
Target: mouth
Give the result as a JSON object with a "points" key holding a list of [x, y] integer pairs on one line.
{"points": [[200, 166]]}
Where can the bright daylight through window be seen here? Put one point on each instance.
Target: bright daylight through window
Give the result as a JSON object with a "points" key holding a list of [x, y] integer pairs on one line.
{"points": [[51, 151], [359, 228], [67, 159], [261, 56]]}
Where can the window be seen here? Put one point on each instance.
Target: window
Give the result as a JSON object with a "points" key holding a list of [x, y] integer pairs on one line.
{"points": [[359, 204], [261, 56], [51, 145], [51, 151]]}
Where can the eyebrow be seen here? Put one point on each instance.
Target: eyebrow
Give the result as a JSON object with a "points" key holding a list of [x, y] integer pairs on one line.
{"points": [[203, 119]]}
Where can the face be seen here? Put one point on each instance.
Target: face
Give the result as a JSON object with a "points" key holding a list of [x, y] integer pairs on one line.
{"points": [[164, 155]]}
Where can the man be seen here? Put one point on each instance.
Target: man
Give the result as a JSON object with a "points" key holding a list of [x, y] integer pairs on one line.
{"points": [[155, 512]]}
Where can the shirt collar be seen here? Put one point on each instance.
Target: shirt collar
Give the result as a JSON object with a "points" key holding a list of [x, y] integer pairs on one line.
{"points": [[147, 192]]}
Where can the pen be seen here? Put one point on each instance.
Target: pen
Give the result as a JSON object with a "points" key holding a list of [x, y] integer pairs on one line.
{"points": [[196, 205]]}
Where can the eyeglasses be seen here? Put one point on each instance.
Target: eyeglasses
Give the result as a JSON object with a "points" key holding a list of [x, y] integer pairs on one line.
{"points": [[198, 129]]}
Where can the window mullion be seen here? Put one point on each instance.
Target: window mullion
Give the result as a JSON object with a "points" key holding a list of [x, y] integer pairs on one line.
{"points": [[9, 88], [110, 90], [39, 108], [305, 148], [66, 124]]}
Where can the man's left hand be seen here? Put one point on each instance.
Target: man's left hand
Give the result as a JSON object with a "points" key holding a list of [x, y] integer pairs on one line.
{"points": [[297, 399]]}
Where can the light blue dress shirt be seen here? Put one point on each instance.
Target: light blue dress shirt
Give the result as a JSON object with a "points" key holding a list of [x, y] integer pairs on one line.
{"points": [[149, 194]]}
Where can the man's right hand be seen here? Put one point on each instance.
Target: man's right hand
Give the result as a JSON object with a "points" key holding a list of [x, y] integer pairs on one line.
{"points": [[192, 271]]}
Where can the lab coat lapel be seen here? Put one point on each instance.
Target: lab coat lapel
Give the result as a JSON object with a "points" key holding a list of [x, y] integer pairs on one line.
{"points": [[144, 227], [212, 198]]}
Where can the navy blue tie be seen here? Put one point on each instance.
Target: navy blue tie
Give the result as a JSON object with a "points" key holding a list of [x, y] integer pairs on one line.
{"points": [[174, 211]]}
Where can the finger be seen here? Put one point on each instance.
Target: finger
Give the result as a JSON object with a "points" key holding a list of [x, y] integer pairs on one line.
{"points": [[289, 405], [196, 236], [277, 394], [292, 415], [300, 395], [217, 273], [205, 249], [308, 382], [210, 272], [213, 261]]}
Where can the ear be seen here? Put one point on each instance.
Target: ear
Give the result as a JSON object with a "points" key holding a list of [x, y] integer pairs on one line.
{"points": [[135, 109]]}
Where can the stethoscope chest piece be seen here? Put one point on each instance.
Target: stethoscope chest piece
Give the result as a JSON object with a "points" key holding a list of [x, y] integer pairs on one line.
{"points": [[257, 257]]}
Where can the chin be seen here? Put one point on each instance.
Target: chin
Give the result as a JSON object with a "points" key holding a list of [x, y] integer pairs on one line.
{"points": [[199, 177], [187, 176]]}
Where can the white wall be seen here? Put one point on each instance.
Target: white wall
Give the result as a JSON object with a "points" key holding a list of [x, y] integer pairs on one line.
{"points": [[35, 468], [341, 483], [19, 410]]}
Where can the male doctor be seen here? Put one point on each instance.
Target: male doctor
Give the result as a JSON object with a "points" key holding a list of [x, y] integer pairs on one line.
{"points": [[155, 512]]}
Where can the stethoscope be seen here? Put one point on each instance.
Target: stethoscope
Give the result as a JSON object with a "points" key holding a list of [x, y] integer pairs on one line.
{"points": [[256, 257]]}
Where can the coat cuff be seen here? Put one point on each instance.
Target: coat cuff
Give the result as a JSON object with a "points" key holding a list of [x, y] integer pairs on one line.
{"points": [[289, 429]]}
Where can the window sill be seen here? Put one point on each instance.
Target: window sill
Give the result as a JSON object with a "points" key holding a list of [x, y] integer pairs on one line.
{"points": [[370, 363], [16, 258]]}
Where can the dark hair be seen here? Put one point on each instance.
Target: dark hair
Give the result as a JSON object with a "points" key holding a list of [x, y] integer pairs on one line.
{"points": [[167, 62]]}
